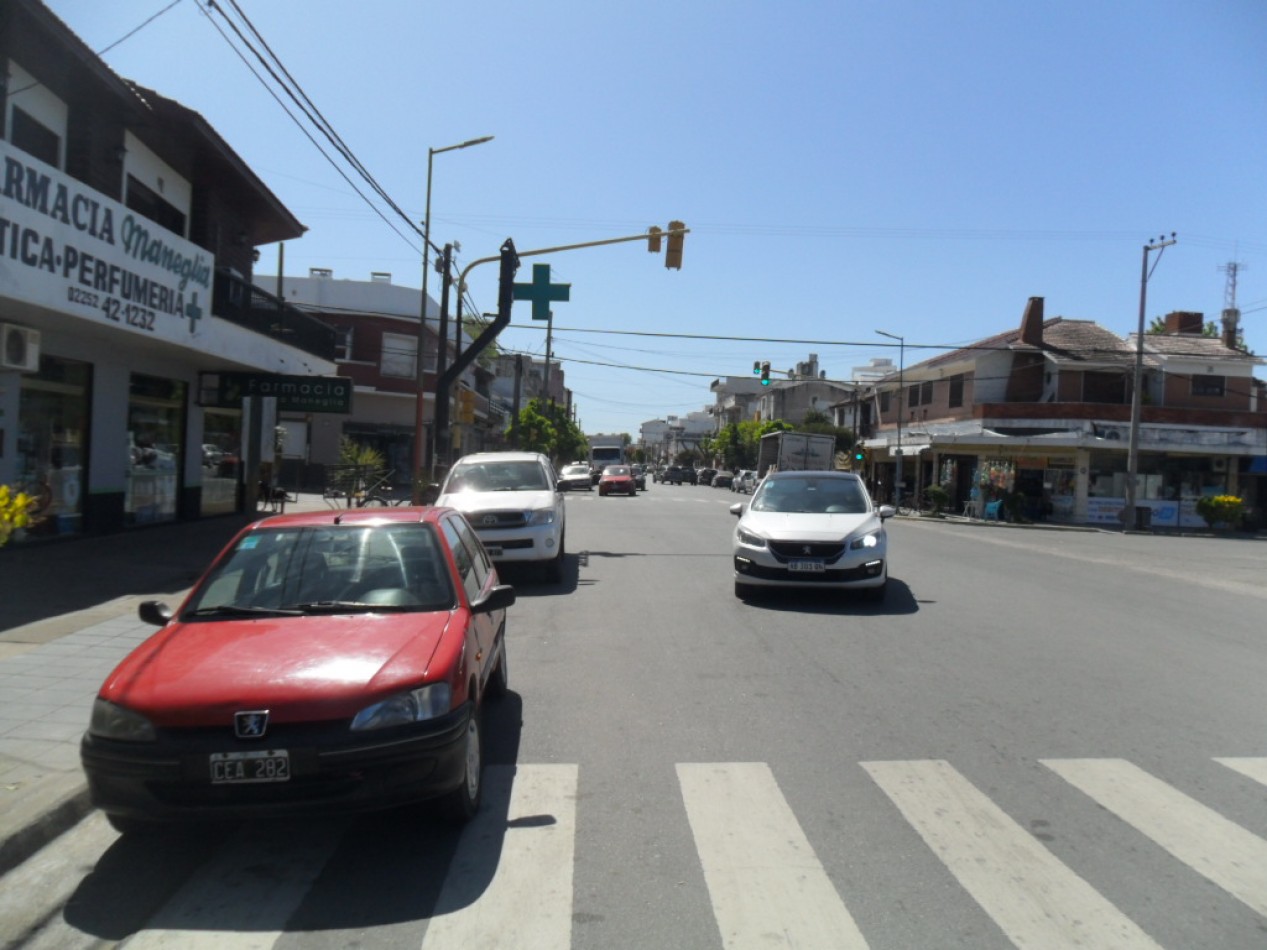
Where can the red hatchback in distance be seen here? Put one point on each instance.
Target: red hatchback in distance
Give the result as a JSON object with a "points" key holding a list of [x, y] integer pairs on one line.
{"points": [[617, 480], [327, 661]]}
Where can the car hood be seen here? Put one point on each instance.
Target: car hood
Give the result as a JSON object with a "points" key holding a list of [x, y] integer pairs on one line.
{"points": [[299, 668], [469, 502], [798, 526]]}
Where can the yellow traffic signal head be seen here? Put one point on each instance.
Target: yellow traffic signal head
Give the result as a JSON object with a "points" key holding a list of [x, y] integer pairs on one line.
{"points": [[653, 239], [673, 255]]}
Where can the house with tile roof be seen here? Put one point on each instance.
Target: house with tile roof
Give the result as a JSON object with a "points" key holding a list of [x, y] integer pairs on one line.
{"points": [[1041, 416]]}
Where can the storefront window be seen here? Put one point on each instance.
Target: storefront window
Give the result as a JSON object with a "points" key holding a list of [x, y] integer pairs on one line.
{"points": [[156, 436], [52, 424], [221, 460]]}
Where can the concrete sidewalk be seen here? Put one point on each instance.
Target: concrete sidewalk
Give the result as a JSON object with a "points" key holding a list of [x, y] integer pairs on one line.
{"points": [[67, 617]]}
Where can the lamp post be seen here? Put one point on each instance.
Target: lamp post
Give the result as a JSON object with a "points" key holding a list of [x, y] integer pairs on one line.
{"points": [[1129, 518], [420, 398], [901, 394]]}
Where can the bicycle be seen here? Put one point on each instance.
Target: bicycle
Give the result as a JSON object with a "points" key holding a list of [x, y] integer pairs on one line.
{"points": [[379, 494]]}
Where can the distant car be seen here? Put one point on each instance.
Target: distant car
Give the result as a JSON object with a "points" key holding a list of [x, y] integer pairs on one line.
{"points": [[705, 476], [513, 502], [617, 480], [677, 475], [327, 661], [745, 481], [723, 479], [576, 476], [811, 529], [639, 476]]}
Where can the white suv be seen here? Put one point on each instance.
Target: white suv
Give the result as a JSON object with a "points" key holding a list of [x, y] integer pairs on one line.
{"points": [[513, 502]]}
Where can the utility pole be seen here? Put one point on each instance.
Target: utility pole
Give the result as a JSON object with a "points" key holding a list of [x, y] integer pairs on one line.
{"points": [[1130, 516]]}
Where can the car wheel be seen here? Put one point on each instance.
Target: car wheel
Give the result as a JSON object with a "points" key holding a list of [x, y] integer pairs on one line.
{"points": [[461, 804], [876, 594], [554, 566], [135, 827]]}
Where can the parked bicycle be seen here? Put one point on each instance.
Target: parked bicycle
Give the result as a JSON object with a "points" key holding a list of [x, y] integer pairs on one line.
{"points": [[364, 492]]}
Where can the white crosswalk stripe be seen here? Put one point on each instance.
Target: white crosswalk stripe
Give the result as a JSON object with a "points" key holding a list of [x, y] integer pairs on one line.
{"points": [[1253, 768], [511, 883], [767, 886], [1222, 851], [1030, 894]]}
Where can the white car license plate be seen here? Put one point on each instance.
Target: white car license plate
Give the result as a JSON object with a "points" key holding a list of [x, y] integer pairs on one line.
{"points": [[805, 567], [264, 765], [493, 550]]}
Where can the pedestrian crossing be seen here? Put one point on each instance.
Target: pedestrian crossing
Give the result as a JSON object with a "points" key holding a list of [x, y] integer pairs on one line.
{"points": [[514, 877]]}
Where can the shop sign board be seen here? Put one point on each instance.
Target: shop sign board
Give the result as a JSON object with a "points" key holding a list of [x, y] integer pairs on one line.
{"points": [[293, 393], [70, 248]]}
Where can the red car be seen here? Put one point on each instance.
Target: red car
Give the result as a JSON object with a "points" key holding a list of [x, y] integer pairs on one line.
{"points": [[327, 661], [617, 480]]}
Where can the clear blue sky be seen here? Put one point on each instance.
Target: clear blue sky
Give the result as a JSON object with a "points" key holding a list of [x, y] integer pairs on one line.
{"points": [[845, 167]]}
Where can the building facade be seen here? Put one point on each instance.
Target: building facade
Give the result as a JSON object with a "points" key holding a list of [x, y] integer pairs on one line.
{"points": [[128, 235]]}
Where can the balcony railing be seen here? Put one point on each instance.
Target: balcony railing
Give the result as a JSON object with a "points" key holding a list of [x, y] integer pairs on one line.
{"points": [[247, 306]]}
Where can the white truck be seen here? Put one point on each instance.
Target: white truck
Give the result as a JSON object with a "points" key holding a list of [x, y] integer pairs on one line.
{"points": [[605, 450], [796, 452]]}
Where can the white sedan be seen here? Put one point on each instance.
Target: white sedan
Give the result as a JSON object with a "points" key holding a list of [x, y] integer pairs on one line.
{"points": [[811, 529]]}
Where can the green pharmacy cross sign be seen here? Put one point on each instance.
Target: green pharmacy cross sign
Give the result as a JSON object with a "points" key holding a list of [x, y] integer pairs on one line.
{"points": [[541, 292]]}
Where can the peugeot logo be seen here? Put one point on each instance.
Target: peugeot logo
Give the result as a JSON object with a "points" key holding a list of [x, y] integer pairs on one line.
{"points": [[250, 725], [805, 549]]}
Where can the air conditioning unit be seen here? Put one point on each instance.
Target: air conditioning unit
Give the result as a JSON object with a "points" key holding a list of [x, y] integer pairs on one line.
{"points": [[1218, 464], [19, 348]]}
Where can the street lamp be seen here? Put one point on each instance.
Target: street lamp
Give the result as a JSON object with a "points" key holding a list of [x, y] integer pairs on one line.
{"points": [[1129, 518], [420, 398], [901, 392]]}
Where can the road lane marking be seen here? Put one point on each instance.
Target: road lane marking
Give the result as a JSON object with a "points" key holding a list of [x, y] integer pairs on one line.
{"points": [[767, 887], [1034, 898], [1218, 849], [1253, 768], [254, 885], [510, 884]]}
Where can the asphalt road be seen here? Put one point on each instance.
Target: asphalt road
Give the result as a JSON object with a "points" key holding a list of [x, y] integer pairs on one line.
{"points": [[1041, 737]]}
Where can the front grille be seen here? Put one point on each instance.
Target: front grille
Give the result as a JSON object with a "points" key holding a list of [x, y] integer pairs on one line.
{"points": [[794, 550], [492, 520]]}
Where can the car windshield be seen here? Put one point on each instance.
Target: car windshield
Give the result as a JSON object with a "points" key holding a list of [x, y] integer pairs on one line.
{"points": [[617, 470], [497, 476], [577, 470], [328, 569], [811, 494]]}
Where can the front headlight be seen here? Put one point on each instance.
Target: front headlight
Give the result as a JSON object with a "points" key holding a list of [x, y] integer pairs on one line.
{"points": [[114, 722], [542, 516], [871, 540], [750, 539], [417, 705]]}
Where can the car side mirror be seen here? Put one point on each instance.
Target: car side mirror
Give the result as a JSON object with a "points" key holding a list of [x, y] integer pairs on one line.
{"points": [[155, 612], [499, 598], [737, 509], [886, 511]]}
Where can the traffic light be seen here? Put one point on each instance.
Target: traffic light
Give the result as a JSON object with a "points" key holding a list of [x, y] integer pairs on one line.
{"points": [[756, 367], [673, 255], [859, 457], [653, 239], [466, 406], [765, 373]]}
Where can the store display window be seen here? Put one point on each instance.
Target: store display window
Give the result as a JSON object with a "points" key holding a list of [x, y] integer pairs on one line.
{"points": [[221, 460], [156, 435], [51, 448]]}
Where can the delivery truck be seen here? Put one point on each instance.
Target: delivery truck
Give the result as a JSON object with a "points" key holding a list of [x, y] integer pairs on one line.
{"points": [[795, 452]]}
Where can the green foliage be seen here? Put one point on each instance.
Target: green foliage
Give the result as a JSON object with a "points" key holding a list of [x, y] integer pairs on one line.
{"points": [[355, 453], [545, 427], [14, 511], [938, 497], [1221, 510]]}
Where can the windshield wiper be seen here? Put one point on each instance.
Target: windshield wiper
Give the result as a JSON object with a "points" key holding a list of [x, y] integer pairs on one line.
{"points": [[236, 610], [345, 607]]}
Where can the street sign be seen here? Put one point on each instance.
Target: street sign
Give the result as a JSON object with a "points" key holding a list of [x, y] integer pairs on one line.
{"points": [[293, 393], [541, 292]]}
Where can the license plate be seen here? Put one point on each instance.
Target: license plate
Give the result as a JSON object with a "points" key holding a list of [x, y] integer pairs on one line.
{"points": [[264, 765], [806, 567], [493, 550]]}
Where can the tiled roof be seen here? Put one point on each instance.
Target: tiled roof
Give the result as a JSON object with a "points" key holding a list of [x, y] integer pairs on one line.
{"points": [[1064, 341], [1193, 345]]}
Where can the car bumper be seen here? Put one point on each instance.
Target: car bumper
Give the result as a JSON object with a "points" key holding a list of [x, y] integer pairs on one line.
{"points": [[170, 780], [855, 573], [515, 545]]}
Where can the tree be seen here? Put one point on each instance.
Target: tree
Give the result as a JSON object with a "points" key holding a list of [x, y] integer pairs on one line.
{"points": [[544, 427]]}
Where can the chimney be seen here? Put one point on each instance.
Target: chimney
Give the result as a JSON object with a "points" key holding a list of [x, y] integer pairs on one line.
{"points": [[1185, 321], [1231, 327], [1032, 322]]}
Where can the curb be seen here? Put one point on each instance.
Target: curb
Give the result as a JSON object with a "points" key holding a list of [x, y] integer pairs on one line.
{"points": [[62, 802]]}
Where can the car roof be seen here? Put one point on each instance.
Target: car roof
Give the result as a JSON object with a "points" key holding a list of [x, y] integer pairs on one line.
{"points": [[501, 457], [426, 514], [815, 473]]}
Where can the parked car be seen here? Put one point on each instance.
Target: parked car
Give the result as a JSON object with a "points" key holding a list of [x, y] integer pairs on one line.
{"points": [[639, 476], [811, 529], [576, 476], [617, 480], [745, 481], [705, 476], [673, 475], [514, 505], [723, 479], [326, 661]]}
